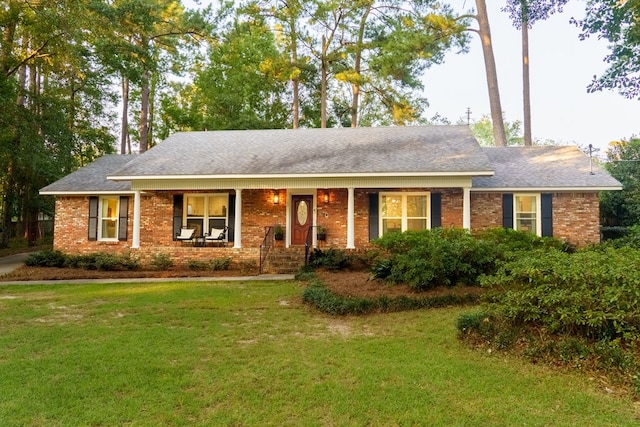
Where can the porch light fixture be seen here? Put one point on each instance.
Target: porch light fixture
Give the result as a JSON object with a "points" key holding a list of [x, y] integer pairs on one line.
{"points": [[326, 197], [276, 198]]}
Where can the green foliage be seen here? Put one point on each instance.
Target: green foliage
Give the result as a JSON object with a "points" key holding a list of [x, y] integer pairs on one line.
{"points": [[592, 294], [161, 261], [622, 207], [331, 259], [215, 264], [48, 258], [102, 261], [220, 263], [193, 264], [323, 299], [617, 22], [432, 258]]}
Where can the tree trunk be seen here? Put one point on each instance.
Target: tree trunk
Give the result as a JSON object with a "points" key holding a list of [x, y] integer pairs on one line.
{"points": [[323, 84], [492, 74], [125, 116], [355, 86], [295, 82], [144, 111], [526, 92]]}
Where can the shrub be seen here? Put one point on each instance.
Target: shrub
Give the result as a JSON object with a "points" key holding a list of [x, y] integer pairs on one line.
{"points": [[102, 261], [331, 259], [197, 265], [431, 258], [48, 258], [221, 263], [591, 294], [161, 261]]}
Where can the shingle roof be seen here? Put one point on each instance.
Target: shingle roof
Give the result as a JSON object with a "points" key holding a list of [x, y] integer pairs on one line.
{"points": [[420, 149], [543, 167], [93, 177]]}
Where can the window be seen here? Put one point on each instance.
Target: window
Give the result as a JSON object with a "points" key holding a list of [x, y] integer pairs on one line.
{"points": [[527, 213], [205, 211], [403, 211], [109, 210]]}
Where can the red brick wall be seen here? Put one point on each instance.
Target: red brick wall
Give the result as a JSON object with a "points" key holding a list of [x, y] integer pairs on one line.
{"points": [[576, 216], [575, 219]]}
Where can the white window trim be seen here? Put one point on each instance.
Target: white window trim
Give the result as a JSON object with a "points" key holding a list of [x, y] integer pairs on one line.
{"points": [[538, 197], [404, 217], [100, 218], [206, 218]]}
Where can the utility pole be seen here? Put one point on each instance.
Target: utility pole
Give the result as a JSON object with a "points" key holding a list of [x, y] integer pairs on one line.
{"points": [[468, 116]]}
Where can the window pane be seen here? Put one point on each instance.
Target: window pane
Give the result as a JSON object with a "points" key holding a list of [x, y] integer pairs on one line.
{"points": [[391, 226], [218, 205], [195, 206], [391, 206], [109, 229], [416, 224], [417, 206], [526, 213], [110, 208]]}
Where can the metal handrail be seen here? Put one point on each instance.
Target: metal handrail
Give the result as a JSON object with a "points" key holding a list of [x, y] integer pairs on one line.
{"points": [[266, 244], [308, 241]]}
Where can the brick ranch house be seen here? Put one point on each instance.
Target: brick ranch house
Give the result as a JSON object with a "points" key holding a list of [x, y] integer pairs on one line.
{"points": [[358, 184]]}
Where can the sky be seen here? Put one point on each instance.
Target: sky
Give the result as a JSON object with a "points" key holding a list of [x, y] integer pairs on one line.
{"points": [[561, 68]]}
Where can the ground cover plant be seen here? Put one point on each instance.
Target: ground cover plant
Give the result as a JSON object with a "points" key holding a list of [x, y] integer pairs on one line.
{"points": [[250, 353]]}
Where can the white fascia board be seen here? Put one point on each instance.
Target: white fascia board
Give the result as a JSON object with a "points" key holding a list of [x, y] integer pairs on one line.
{"points": [[299, 176]]}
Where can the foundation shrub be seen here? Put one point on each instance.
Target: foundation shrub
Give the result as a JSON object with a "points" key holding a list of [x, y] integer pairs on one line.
{"points": [[161, 261], [102, 261], [49, 258], [220, 263], [431, 258]]}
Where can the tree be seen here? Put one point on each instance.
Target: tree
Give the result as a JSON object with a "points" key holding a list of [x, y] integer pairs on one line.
{"points": [[241, 86], [482, 129], [623, 163], [523, 14], [618, 22]]}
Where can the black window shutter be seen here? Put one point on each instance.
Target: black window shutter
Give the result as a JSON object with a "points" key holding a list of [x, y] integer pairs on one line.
{"points": [[93, 218], [547, 214], [178, 201], [374, 216], [232, 216], [507, 210], [122, 218], [436, 210]]}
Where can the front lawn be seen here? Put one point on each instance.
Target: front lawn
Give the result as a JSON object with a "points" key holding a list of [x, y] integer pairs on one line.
{"points": [[250, 353]]}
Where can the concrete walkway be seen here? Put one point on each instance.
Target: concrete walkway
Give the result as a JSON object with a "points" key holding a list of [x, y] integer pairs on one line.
{"points": [[12, 262]]}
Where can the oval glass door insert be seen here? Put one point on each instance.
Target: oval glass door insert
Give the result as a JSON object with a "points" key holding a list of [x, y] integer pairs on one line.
{"points": [[303, 212]]}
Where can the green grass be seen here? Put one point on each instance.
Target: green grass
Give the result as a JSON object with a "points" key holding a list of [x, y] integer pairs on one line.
{"points": [[249, 353]]}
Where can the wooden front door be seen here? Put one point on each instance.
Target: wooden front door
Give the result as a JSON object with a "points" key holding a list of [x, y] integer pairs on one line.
{"points": [[301, 218]]}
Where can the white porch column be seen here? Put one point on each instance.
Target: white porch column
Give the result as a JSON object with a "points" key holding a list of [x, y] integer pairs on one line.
{"points": [[351, 227], [135, 244], [466, 208], [237, 225]]}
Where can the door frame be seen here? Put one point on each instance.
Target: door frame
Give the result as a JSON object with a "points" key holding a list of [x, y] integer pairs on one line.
{"points": [[311, 192]]}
